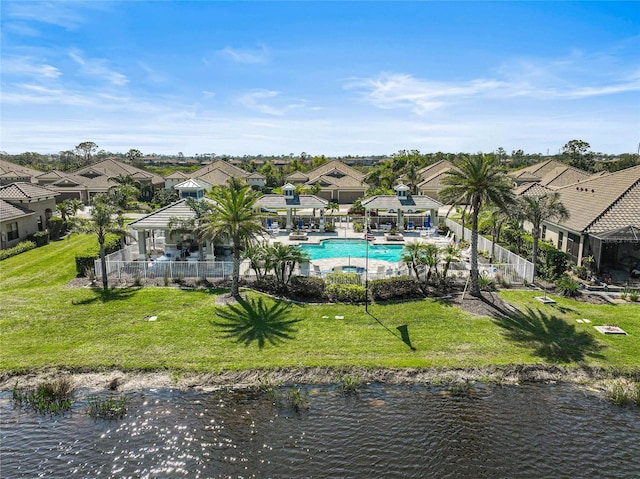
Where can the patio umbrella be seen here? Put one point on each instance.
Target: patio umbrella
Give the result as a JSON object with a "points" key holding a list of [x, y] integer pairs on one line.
{"points": [[427, 224]]}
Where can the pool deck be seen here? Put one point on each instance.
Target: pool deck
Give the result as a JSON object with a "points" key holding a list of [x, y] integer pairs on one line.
{"points": [[377, 268]]}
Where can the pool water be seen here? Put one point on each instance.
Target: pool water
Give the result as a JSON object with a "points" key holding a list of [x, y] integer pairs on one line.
{"points": [[332, 248]]}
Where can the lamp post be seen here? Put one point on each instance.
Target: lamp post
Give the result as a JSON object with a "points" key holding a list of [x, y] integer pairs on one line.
{"points": [[366, 266]]}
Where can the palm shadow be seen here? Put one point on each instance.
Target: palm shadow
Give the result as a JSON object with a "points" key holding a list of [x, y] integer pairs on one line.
{"points": [[254, 321], [551, 337], [112, 294]]}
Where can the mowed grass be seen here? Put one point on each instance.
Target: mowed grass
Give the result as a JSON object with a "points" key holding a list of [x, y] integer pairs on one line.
{"points": [[45, 323]]}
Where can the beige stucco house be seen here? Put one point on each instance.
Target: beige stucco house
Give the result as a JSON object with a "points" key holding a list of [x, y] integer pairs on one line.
{"points": [[24, 210]]}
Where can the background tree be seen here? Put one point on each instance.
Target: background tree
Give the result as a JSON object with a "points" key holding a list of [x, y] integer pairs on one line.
{"points": [[576, 153], [133, 156], [85, 150], [475, 181], [536, 210], [233, 218]]}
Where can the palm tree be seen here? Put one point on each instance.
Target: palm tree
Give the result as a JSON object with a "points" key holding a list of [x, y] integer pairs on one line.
{"points": [[416, 257], [475, 181], [536, 210], [233, 217], [100, 224], [284, 260], [494, 220]]}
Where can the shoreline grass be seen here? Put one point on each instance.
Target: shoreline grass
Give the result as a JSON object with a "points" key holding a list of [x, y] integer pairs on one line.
{"points": [[45, 325]]}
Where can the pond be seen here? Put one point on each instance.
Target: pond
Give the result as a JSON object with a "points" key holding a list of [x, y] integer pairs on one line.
{"points": [[338, 248], [531, 431]]}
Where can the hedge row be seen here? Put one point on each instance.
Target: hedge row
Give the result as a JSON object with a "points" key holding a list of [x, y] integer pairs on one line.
{"points": [[311, 288], [86, 260], [17, 249]]}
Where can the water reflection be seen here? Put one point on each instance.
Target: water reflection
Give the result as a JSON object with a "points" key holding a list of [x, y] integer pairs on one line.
{"points": [[385, 431]]}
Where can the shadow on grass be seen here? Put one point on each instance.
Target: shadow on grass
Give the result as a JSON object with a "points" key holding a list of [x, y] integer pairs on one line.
{"points": [[112, 294], [563, 309], [254, 321], [551, 337]]}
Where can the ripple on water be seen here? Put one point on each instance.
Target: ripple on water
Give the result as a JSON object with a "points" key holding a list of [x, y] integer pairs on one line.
{"points": [[391, 431]]}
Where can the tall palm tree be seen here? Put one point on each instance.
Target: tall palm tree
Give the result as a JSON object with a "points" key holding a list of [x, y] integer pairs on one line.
{"points": [[101, 223], [475, 181], [233, 217], [536, 210]]}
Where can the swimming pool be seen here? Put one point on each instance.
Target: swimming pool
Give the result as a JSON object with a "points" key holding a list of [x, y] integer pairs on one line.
{"points": [[334, 248]]}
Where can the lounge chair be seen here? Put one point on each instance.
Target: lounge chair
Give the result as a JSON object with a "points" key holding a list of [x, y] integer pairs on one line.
{"points": [[410, 225], [316, 270]]}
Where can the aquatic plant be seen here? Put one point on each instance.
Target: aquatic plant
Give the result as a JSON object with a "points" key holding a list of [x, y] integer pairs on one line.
{"points": [[51, 397], [622, 392], [349, 384], [106, 407], [297, 398], [461, 388]]}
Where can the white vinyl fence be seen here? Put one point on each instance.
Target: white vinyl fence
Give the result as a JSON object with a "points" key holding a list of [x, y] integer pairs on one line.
{"points": [[512, 267]]}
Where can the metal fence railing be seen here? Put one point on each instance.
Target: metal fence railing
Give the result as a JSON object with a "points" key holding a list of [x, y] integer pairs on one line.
{"points": [[512, 265]]}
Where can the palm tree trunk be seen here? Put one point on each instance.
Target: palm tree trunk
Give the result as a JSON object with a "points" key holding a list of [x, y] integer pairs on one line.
{"points": [[475, 285], [235, 276], [535, 233], [103, 264]]}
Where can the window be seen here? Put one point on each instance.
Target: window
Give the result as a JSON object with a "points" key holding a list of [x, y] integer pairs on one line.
{"points": [[560, 240], [544, 232], [12, 231], [40, 225]]}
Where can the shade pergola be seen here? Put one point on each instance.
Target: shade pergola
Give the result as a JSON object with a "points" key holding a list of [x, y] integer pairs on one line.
{"points": [[402, 203], [289, 202]]}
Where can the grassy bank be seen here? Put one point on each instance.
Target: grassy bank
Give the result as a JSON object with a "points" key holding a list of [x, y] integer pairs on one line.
{"points": [[46, 324]]}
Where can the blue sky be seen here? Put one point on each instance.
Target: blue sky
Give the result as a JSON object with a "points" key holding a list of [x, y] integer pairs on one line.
{"points": [[333, 78]]}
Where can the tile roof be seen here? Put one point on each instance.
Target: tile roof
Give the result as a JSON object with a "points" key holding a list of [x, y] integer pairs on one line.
{"points": [[437, 167], [531, 189], [604, 202], [7, 166], [193, 183], [25, 191], [110, 168], [226, 167], [10, 211], [336, 166], [562, 176], [434, 181], [177, 175]]}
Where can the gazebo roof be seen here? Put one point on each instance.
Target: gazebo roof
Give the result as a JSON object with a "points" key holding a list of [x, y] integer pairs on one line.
{"points": [[159, 219], [414, 202], [298, 201]]}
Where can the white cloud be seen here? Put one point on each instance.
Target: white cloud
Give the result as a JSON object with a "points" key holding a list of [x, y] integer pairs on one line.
{"points": [[240, 55], [26, 66], [399, 90], [98, 68], [269, 102], [68, 15]]}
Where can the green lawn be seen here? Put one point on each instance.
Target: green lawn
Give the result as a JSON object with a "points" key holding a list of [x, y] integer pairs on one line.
{"points": [[44, 323]]}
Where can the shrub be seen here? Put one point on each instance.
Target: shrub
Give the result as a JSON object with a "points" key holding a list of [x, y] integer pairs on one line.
{"points": [[486, 283], [17, 249], [402, 287], [568, 286], [343, 278], [346, 293], [56, 226], [40, 238], [86, 260], [307, 288], [634, 295], [330, 228], [554, 262]]}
